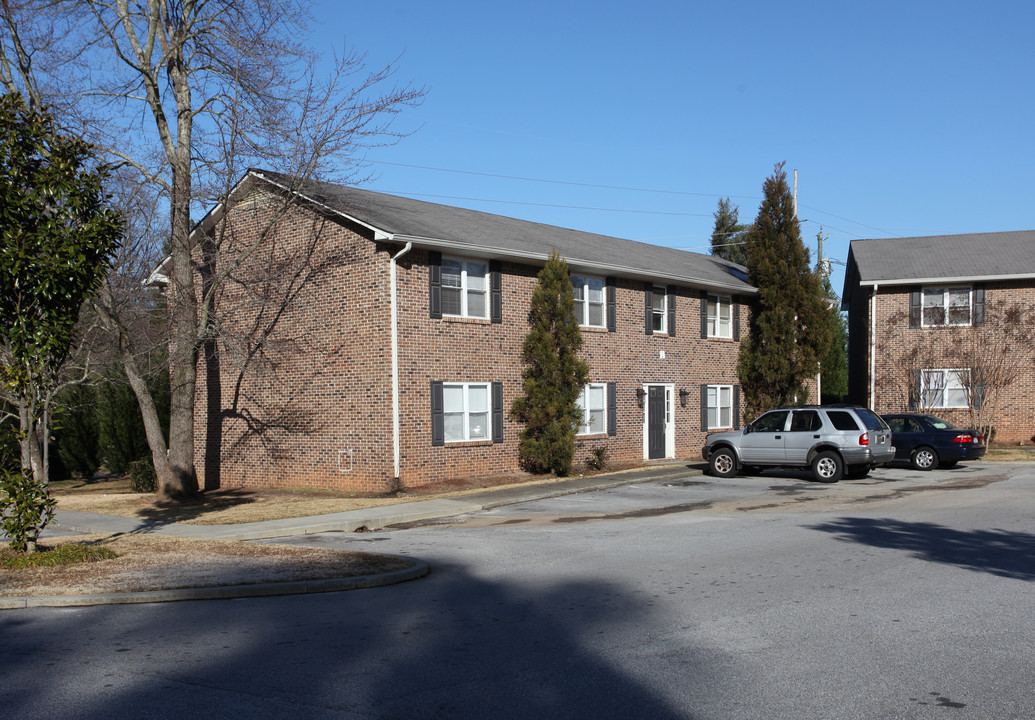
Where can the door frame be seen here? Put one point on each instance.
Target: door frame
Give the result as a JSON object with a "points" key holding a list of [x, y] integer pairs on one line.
{"points": [[670, 420]]}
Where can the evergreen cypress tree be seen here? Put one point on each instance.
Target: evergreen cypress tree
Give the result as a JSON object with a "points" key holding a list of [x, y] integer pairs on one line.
{"points": [[553, 375], [728, 235], [834, 364], [790, 329]]}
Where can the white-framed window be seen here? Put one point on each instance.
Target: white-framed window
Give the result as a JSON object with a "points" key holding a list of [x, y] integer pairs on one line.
{"points": [[719, 406], [589, 299], [946, 306], [465, 288], [465, 410], [593, 403], [659, 310], [943, 388], [720, 316]]}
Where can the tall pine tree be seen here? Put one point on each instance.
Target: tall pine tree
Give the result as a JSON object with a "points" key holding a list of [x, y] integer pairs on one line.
{"points": [[790, 329], [553, 375], [728, 235]]}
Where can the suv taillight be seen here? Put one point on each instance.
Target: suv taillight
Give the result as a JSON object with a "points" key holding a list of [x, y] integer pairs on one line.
{"points": [[864, 439]]}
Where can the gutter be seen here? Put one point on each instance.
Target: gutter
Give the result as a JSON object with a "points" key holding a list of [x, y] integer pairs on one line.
{"points": [[873, 345], [395, 357]]}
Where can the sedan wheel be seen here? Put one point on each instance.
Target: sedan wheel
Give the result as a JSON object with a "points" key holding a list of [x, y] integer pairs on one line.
{"points": [[924, 458]]}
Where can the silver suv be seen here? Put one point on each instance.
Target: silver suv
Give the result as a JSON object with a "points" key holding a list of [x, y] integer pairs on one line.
{"points": [[835, 441]]}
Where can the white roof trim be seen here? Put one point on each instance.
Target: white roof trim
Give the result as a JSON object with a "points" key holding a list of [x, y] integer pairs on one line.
{"points": [[379, 234], [948, 280]]}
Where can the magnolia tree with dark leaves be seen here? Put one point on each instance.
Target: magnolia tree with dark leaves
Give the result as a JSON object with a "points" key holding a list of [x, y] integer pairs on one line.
{"points": [[56, 236]]}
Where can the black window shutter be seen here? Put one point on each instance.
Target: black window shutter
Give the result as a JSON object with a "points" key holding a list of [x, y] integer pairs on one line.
{"points": [[979, 304], [648, 313], [736, 318], [612, 313], [704, 408], [914, 391], [704, 314], [736, 407], [979, 390], [435, 284], [495, 291], [915, 301], [612, 409], [438, 426], [670, 301], [497, 412]]}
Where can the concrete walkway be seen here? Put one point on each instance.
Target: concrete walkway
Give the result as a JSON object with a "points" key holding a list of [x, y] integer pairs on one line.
{"points": [[368, 518]]}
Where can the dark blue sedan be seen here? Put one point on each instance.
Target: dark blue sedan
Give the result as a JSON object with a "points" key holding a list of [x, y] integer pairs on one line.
{"points": [[929, 442]]}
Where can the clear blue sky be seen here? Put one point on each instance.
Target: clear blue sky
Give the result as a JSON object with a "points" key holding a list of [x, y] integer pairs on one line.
{"points": [[902, 118]]}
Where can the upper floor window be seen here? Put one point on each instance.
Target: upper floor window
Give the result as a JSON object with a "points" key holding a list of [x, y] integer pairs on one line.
{"points": [[946, 306], [944, 388], [592, 402], [589, 299], [465, 288], [659, 310], [720, 316]]}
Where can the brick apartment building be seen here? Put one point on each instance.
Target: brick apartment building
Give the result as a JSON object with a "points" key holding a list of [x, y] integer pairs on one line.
{"points": [[369, 342], [914, 303]]}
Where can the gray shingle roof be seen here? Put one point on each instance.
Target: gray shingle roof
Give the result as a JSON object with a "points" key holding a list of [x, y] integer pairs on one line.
{"points": [[457, 229], [977, 256]]}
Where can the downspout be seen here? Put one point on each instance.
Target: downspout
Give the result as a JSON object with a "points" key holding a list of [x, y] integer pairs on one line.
{"points": [[395, 359], [873, 345]]}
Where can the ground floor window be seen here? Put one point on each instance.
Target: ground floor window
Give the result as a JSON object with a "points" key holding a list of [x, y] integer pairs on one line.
{"points": [[593, 403], [465, 410], [944, 388], [719, 406]]}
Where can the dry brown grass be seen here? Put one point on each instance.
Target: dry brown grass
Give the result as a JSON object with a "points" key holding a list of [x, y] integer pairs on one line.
{"points": [[1010, 454], [151, 562], [114, 496]]}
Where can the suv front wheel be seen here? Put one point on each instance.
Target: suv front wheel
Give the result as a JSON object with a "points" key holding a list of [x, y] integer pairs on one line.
{"points": [[828, 467], [723, 463]]}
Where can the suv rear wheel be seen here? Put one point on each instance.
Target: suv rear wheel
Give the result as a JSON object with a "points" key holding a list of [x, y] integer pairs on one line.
{"points": [[828, 467]]}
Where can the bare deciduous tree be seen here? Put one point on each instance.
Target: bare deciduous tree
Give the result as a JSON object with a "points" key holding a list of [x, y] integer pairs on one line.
{"points": [[188, 93]]}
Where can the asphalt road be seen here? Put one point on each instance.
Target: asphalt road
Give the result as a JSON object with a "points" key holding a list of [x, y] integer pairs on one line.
{"points": [[905, 595]]}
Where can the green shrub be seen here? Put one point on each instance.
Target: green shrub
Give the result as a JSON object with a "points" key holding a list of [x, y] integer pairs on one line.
{"points": [[598, 459], [142, 476], [25, 509]]}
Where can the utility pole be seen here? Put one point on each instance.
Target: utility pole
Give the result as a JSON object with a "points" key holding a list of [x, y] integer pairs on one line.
{"points": [[795, 194]]}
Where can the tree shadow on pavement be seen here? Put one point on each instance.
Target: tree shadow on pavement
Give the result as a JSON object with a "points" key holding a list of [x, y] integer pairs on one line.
{"points": [[452, 645], [998, 552]]}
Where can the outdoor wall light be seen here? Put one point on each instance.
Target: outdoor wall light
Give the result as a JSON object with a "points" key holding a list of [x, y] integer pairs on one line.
{"points": [[684, 394], [640, 394]]}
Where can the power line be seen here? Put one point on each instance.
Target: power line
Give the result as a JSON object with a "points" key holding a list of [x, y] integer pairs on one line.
{"points": [[549, 205], [562, 182], [604, 187]]}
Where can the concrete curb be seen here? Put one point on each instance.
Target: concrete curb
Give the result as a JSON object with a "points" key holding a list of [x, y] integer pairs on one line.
{"points": [[223, 592]]}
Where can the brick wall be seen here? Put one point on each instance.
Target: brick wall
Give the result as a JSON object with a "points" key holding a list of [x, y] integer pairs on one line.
{"points": [[303, 368], [1015, 420]]}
